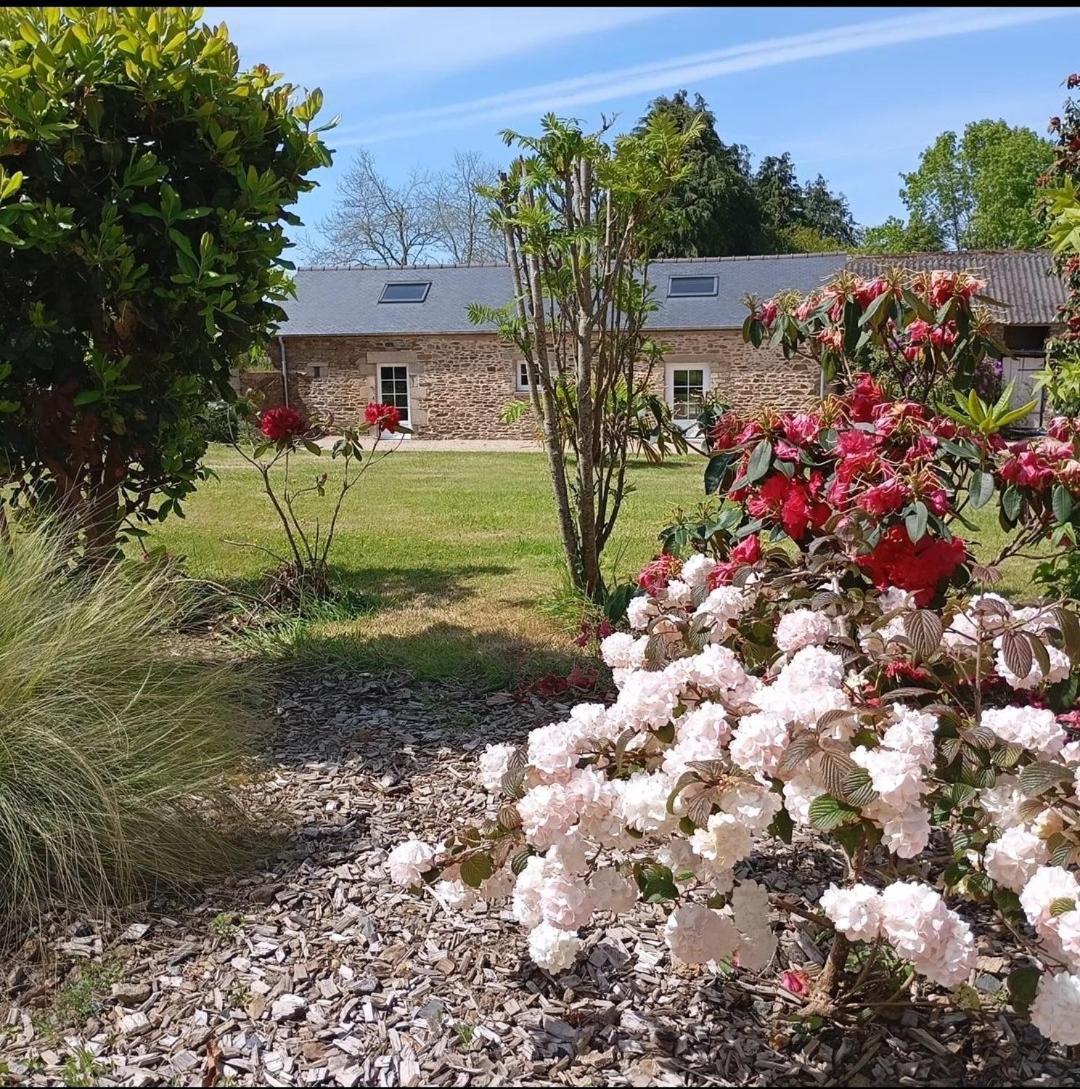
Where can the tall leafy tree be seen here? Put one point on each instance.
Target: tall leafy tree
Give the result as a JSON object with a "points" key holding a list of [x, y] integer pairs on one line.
{"points": [[800, 217], [714, 212], [897, 236], [144, 186], [978, 190], [581, 219]]}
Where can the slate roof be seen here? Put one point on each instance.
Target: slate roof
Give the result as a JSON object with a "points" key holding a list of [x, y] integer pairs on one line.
{"points": [[338, 301], [1024, 280], [344, 300]]}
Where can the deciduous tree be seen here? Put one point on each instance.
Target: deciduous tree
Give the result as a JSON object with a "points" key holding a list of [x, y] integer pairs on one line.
{"points": [[581, 218]]}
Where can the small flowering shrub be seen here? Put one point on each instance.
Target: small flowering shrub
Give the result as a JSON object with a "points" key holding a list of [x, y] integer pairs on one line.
{"points": [[919, 333], [282, 431], [934, 748]]}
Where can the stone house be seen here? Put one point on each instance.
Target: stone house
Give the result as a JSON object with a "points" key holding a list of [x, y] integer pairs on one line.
{"points": [[403, 336]]}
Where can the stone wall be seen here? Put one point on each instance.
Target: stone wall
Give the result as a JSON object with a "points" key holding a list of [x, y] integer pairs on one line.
{"points": [[459, 384]]}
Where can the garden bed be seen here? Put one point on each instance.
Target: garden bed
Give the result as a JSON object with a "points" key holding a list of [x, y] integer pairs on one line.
{"points": [[317, 970]]}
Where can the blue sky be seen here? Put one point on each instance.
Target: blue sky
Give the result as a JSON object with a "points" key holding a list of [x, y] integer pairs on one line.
{"points": [[852, 93]]}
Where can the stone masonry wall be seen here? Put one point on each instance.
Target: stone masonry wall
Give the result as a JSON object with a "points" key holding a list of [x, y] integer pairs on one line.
{"points": [[460, 383]]}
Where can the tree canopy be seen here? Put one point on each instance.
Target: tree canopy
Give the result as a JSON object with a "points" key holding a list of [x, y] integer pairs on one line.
{"points": [[975, 190], [724, 208], [144, 187]]}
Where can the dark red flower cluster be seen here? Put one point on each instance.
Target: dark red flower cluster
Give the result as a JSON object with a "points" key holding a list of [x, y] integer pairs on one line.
{"points": [[591, 632], [384, 417], [281, 424], [656, 574], [859, 453], [746, 552], [921, 566]]}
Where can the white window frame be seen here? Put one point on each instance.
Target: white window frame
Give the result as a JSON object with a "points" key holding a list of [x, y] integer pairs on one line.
{"points": [[521, 370], [669, 382], [408, 385]]}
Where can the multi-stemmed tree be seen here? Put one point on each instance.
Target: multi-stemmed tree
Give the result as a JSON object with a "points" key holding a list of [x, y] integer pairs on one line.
{"points": [[581, 218]]}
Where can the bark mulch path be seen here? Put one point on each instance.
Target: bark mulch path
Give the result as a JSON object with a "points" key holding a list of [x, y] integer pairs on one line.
{"points": [[317, 971]]}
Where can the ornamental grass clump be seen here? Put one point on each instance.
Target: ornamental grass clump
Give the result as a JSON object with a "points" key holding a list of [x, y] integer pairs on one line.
{"points": [[118, 752]]}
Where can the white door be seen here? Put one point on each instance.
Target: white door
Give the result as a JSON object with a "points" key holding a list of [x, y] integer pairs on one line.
{"points": [[687, 384], [1022, 370], [394, 388]]}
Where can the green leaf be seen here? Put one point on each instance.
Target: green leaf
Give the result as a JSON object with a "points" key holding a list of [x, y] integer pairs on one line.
{"points": [[1021, 985], [476, 869], [656, 882], [924, 629], [1011, 501], [828, 813], [715, 472], [916, 521], [87, 397], [981, 489], [760, 459], [1062, 503]]}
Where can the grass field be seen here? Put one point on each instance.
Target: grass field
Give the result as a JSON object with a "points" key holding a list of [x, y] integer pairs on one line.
{"points": [[453, 558]]}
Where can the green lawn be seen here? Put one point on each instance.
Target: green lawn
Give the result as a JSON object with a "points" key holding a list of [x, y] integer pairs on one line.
{"points": [[453, 557]]}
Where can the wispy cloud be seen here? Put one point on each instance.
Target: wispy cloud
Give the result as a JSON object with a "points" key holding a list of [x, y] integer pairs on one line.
{"points": [[316, 44], [692, 68]]}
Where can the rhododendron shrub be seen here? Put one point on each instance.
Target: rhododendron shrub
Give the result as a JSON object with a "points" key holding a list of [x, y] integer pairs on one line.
{"points": [[282, 433], [919, 333], [932, 749], [907, 479]]}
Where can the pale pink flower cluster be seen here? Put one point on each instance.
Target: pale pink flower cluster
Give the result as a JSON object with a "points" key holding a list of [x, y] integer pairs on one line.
{"points": [[408, 861], [802, 628], [612, 792], [916, 922], [1034, 728]]}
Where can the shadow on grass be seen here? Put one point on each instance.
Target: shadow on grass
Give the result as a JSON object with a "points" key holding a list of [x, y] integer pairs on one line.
{"points": [[441, 651], [413, 634]]}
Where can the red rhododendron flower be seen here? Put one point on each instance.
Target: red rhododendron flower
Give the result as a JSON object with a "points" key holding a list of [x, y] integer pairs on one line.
{"points": [[768, 312], [384, 417], [922, 567], [864, 398], [942, 286], [903, 670], [769, 498], [884, 498], [937, 499], [869, 290], [281, 423], [796, 981], [655, 576], [807, 307], [943, 336], [857, 449], [1027, 471], [918, 331], [747, 551], [785, 451], [801, 428]]}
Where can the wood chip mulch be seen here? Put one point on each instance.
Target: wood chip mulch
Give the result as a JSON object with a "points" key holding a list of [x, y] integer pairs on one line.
{"points": [[317, 971]]}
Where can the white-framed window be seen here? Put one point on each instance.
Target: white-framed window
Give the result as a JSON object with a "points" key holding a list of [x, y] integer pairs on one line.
{"points": [[394, 388], [522, 383]]}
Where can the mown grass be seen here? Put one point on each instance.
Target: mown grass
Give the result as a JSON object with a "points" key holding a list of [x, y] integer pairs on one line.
{"points": [[452, 560]]}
